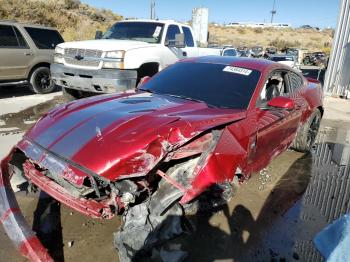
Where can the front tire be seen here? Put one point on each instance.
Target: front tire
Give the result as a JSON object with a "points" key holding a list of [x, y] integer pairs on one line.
{"points": [[306, 135], [40, 81]]}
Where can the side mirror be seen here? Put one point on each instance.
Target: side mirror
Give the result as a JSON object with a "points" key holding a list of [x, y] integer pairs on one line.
{"points": [[98, 34], [143, 81], [281, 102], [178, 42]]}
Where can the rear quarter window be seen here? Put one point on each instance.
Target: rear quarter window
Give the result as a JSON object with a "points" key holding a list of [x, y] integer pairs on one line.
{"points": [[296, 82], [8, 37], [44, 38]]}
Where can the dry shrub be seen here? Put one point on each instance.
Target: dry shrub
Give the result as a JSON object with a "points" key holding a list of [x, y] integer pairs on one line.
{"points": [[74, 20], [241, 30], [258, 30]]}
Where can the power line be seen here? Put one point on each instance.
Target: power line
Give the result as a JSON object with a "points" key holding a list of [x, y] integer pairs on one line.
{"points": [[273, 12], [153, 9]]}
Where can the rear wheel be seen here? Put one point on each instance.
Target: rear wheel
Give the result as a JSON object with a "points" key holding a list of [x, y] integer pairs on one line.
{"points": [[40, 81], [306, 135]]}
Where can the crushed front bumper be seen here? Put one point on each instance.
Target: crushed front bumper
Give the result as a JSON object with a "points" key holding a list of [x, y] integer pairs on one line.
{"points": [[94, 80], [87, 207], [15, 225]]}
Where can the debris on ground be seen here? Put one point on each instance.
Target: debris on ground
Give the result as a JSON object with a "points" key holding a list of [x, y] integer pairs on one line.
{"points": [[142, 231], [264, 178]]}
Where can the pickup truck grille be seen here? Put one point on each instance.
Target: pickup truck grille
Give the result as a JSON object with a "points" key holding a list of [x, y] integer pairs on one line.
{"points": [[87, 56], [90, 63]]}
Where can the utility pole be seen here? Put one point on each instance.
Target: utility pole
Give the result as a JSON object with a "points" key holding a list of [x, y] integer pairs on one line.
{"points": [[273, 12], [153, 9]]}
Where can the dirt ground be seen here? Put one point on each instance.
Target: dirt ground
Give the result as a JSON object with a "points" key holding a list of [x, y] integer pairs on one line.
{"points": [[273, 217]]}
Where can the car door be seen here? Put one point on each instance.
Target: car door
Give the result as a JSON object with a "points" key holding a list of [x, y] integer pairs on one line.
{"points": [[15, 54], [273, 124]]}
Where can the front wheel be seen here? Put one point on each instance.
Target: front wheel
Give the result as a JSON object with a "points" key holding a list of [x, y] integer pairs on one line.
{"points": [[40, 81], [306, 135]]}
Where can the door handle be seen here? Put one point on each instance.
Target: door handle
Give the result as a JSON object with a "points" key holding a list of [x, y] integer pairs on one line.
{"points": [[28, 54]]}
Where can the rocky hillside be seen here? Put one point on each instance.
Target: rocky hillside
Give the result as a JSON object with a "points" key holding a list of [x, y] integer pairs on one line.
{"points": [[310, 39], [74, 20]]}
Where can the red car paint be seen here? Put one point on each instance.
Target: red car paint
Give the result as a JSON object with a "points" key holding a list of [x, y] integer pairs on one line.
{"points": [[124, 136]]}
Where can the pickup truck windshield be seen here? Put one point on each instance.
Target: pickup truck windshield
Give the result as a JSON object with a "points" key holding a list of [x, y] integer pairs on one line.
{"points": [[139, 31], [216, 85]]}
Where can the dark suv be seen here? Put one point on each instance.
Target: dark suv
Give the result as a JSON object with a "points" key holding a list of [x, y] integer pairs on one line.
{"points": [[26, 52]]}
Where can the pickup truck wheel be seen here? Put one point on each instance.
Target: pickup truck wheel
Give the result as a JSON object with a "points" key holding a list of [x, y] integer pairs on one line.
{"points": [[307, 133], [40, 81]]}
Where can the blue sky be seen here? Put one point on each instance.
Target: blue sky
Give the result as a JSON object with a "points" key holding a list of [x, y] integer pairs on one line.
{"points": [[322, 13]]}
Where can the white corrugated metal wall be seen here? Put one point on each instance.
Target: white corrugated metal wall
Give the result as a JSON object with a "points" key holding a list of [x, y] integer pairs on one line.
{"points": [[337, 80]]}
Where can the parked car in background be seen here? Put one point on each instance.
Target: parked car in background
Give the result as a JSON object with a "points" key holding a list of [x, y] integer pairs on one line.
{"points": [[270, 50], [117, 60], [257, 51], [26, 52], [243, 51], [288, 60], [299, 53], [317, 58], [198, 127], [229, 51]]}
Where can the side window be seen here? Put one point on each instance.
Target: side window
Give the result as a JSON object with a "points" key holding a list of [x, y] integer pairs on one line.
{"points": [[188, 36], [44, 38], [296, 82], [8, 37], [172, 31], [21, 41], [276, 85]]}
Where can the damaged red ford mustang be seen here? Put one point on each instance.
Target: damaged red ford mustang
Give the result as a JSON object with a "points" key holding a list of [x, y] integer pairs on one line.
{"points": [[200, 123]]}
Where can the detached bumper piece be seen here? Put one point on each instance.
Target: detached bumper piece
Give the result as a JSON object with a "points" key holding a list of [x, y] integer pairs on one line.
{"points": [[14, 223]]}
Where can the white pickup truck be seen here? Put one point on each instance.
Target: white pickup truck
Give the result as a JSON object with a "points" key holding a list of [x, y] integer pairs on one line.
{"points": [[118, 59]]}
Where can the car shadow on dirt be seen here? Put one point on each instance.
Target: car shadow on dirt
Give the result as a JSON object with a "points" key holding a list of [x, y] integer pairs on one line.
{"points": [[47, 225], [240, 238]]}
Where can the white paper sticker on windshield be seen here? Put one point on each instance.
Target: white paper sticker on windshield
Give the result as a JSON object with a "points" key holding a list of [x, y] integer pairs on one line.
{"points": [[237, 70], [157, 32]]}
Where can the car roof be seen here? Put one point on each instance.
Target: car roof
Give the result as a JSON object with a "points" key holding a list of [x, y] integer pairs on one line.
{"points": [[13, 22], [251, 63]]}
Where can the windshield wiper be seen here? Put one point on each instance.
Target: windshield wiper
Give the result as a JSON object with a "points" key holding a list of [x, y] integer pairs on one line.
{"points": [[191, 99]]}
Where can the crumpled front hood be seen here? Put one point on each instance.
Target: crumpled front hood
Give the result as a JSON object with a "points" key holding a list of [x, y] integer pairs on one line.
{"points": [[121, 135], [105, 44]]}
